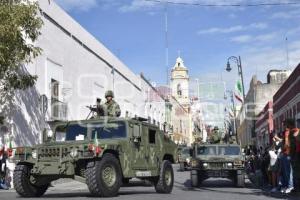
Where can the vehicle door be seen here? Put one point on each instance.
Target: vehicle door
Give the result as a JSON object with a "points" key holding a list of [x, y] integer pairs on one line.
{"points": [[138, 147], [152, 156]]}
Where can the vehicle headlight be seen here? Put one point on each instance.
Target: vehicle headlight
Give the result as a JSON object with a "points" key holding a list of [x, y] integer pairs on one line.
{"points": [[188, 160], [34, 154], [74, 153], [205, 165], [229, 164]]}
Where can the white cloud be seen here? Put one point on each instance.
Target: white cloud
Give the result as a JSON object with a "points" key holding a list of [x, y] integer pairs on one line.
{"points": [[259, 60], [286, 15], [79, 5], [232, 29], [242, 38], [136, 5], [259, 38]]}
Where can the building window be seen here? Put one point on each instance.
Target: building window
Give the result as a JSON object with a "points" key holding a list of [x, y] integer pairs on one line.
{"points": [[152, 134], [181, 126], [179, 90], [54, 97]]}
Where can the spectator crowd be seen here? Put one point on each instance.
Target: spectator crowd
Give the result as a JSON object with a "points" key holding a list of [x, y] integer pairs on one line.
{"points": [[277, 167]]}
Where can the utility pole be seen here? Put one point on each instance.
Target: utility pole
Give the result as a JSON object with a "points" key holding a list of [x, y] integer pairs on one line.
{"points": [[166, 43]]}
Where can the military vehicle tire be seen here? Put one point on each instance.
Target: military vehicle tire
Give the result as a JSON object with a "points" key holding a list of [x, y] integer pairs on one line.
{"points": [[181, 167], [22, 183], [165, 181], [104, 177], [240, 180], [125, 181], [194, 178]]}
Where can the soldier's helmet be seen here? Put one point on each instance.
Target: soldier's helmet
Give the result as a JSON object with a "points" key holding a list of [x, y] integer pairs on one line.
{"points": [[109, 93]]}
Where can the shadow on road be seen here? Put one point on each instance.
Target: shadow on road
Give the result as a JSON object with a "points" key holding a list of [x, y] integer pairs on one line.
{"points": [[217, 186], [88, 195]]}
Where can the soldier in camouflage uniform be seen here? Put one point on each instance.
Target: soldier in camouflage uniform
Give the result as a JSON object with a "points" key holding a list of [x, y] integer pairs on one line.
{"points": [[215, 136], [111, 107]]}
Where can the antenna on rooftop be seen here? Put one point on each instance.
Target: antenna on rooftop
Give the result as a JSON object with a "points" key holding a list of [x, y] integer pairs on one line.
{"points": [[167, 42], [287, 54]]}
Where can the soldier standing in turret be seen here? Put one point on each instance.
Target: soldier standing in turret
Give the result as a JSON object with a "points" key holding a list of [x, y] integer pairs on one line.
{"points": [[215, 136], [111, 107]]}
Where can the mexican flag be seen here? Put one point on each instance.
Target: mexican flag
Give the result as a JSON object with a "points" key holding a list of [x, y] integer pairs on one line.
{"points": [[239, 91]]}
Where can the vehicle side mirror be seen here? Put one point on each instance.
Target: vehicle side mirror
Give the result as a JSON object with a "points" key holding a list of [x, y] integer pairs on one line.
{"points": [[136, 131], [136, 140], [45, 137], [136, 134]]}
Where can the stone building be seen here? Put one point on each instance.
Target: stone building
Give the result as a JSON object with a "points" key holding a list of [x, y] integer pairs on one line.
{"points": [[264, 126], [287, 101], [257, 97], [180, 93], [73, 70]]}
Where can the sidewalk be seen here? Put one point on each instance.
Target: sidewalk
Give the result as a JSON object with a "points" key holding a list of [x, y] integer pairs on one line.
{"points": [[255, 179]]}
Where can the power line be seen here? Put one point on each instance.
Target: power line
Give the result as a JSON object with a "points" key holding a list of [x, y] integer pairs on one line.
{"points": [[225, 5]]}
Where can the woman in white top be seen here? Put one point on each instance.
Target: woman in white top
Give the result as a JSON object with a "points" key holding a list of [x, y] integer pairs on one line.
{"points": [[274, 166]]}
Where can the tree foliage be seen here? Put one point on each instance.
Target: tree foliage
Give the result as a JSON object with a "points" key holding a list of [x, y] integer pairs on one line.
{"points": [[20, 26]]}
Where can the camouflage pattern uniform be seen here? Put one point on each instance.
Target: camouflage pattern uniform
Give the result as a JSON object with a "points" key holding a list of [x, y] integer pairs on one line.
{"points": [[111, 108], [215, 136]]}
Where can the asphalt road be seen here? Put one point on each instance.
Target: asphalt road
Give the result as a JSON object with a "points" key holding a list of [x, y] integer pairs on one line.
{"points": [[212, 189]]}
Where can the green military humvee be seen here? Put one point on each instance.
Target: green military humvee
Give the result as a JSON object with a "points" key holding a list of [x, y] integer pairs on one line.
{"points": [[103, 153], [217, 160]]}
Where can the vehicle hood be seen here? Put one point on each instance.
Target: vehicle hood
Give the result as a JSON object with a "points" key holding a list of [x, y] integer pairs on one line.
{"points": [[219, 158]]}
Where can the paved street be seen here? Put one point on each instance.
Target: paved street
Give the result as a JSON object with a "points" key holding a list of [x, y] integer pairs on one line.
{"points": [[212, 189]]}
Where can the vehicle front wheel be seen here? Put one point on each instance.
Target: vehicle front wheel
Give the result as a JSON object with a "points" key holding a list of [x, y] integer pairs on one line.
{"points": [[22, 183], [181, 167], [194, 178], [240, 180], [165, 181], [104, 177]]}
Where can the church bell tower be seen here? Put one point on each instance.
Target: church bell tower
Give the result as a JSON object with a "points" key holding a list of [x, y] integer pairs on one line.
{"points": [[180, 84]]}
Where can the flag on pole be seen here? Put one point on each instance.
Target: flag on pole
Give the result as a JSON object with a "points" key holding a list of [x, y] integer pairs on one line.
{"points": [[239, 91], [230, 112]]}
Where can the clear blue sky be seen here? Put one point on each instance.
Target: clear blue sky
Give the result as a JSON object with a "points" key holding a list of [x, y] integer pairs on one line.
{"points": [[135, 31]]}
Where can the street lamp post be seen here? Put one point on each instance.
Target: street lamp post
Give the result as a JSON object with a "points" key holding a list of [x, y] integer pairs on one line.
{"points": [[234, 110], [240, 70]]}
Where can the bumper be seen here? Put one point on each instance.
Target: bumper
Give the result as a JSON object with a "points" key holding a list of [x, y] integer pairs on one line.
{"points": [[222, 173], [50, 168]]}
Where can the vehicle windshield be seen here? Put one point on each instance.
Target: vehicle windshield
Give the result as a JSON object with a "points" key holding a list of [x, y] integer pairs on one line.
{"points": [[218, 150], [206, 150], [79, 132], [109, 131], [185, 151], [223, 150]]}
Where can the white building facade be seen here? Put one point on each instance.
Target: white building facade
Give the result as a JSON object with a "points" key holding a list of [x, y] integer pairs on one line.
{"points": [[73, 70]]}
